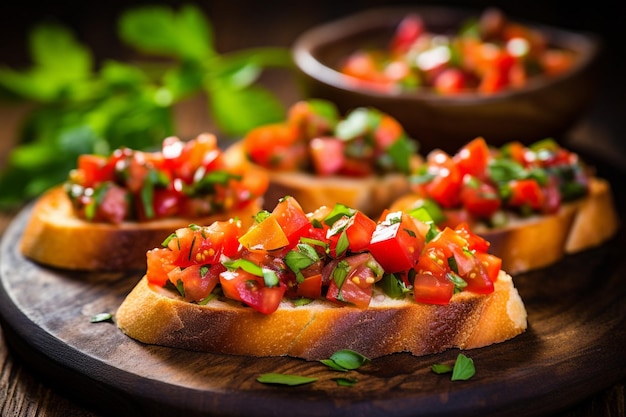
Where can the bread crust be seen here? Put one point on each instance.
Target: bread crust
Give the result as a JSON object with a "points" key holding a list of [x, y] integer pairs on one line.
{"points": [[315, 331], [56, 237], [541, 240]]}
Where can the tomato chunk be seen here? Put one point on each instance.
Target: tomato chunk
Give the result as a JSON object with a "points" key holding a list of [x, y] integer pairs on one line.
{"points": [[396, 243]]}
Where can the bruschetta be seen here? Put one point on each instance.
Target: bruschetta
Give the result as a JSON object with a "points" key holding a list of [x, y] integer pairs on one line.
{"points": [[308, 284], [535, 203], [321, 157], [114, 208]]}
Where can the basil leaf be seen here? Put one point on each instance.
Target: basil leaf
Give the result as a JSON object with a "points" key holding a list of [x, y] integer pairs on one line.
{"points": [[244, 264], [331, 364], [342, 244], [400, 153], [270, 278], [338, 211], [301, 258], [393, 287], [349, 359], [355, 124], [439, 368], [345, 382], [340, 273], [285, 379], [463, 368]]}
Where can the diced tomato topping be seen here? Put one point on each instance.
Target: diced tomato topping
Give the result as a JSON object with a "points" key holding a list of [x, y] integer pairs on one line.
{"points": [[262, 266], [396, 242], [198, 281], [249, 289], [311, 287], [327, 155], [291, 218], [473, 158], [431, 289], [185, 179], [275, 146]]}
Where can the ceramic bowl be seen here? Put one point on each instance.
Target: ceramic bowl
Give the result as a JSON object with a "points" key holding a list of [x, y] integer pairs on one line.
{"points": [[543, 107]]}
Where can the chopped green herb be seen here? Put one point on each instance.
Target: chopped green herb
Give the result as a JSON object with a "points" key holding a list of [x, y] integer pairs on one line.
{"points": [[270, 278], [345, 382], [342, 244], [244, 264], [98, 318], [347, 359], [393, 287], [301, 258], [338, 211], [463, 368], [439, 368], [285, 379]]}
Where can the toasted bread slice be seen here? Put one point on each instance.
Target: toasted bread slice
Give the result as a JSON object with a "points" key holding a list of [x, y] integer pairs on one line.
{"points": [[527, 243], [56, 237], [315, 331]]}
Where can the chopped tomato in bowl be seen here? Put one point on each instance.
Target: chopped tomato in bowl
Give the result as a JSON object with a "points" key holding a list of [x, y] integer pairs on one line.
{"points": [[483, 55], [334, 254]]}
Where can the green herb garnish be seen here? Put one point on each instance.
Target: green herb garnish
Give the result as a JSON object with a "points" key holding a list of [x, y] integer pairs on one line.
{"points": [[285, 379]]}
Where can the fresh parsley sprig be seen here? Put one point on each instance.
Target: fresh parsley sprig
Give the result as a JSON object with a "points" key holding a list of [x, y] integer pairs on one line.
{"points": [[80, 107]]}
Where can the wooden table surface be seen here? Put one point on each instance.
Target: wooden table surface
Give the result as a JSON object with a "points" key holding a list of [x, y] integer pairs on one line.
{"points": [[23, 393]]}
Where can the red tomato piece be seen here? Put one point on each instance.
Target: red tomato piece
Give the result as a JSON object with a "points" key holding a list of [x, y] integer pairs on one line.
{"points": [[473, 158], [450, 81], [291, 218], [431, 289], [388, 131], [474, 241], [526, 192], [198, 281], [160, 261], [396, 243], [250, 289], [478, 278], [350, 293], [409, 30], [479, 198], [114, 206], [311, 287], [447, 180], [491, 263], [275, 146], [327, 155], [94, 169]]}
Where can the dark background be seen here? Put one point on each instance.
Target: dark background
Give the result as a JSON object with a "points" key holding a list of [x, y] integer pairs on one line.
{"points": [[245, 23]]}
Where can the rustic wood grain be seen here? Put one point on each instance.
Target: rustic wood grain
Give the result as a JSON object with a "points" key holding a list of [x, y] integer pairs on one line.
{"points": [[573, 350]]}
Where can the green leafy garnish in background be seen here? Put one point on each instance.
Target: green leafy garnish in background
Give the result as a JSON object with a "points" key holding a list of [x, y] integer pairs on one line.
{"points": [[78, 108]]}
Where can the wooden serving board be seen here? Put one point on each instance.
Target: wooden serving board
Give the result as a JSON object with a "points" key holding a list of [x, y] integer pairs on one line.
{"points": [[573, 348]]}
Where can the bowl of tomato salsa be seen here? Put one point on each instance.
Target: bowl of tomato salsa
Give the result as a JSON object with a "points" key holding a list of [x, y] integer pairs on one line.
{"points": [[450, 74]]}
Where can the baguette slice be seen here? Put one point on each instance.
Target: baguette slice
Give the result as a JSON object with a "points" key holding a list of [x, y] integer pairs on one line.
{"points": [[315, 331], [540, 240], [371, 195], [56, 237]]}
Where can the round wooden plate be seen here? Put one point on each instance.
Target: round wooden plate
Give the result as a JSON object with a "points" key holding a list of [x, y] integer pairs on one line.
{"points": [[573, 348]]}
